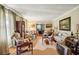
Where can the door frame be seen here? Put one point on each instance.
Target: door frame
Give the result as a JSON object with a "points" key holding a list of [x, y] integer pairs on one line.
{"points": [[42, 27]]}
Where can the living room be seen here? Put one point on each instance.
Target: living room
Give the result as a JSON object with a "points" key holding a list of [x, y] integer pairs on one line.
{"points": [[43, 29]]}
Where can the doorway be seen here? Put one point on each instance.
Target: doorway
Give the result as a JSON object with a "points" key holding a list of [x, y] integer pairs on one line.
{"points": [[40, 28]]}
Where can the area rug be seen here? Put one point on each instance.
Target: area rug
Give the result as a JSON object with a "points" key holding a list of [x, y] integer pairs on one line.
{"points": [[42, 46]]}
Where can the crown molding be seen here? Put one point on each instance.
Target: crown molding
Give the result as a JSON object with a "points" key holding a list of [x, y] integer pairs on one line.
{"points": [[13, 10], [67, 12]]}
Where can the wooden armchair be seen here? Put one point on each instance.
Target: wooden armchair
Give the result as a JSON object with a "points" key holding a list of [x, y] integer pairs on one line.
{"points": [[48, 38], [21, 45]]}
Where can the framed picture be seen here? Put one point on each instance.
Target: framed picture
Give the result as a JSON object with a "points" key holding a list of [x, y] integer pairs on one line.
{"points": [[48, 25], [65, 24]]}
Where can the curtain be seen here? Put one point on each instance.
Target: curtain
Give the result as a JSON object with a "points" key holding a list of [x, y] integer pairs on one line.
{"points": [[10, 24], [7, 28], [3, 32]]}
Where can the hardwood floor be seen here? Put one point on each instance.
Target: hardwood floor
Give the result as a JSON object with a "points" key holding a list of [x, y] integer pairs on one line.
{"points": [[48, 51]]}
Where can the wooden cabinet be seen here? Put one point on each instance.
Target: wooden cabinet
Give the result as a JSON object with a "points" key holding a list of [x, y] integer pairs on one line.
{"points": [[20, 27]]}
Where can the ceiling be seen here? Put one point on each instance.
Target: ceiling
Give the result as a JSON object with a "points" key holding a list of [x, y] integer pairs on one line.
{"points": [[42, 12]]}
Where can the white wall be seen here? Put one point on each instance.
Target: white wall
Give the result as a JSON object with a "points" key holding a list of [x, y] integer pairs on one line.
{"points": [[74, 14], [30, 23]]}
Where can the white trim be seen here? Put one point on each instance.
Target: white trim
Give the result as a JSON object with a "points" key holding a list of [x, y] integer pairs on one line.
{"points": [[67, 12], [16, 12]]}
